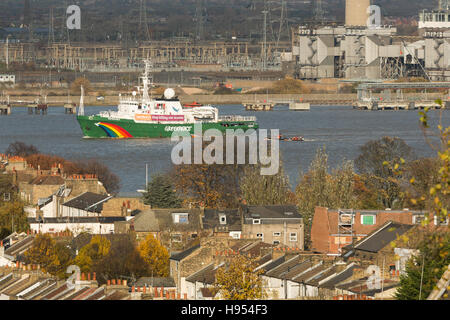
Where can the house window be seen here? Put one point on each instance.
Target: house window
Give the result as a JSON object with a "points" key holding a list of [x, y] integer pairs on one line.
{"points": [[277, 234], [276, 242], [442, 221], [417, 219], [368, 220], [176, 237], [256, 221], [223, 219], [180, 217], [235, 235], [293, 237], [260, 236]]}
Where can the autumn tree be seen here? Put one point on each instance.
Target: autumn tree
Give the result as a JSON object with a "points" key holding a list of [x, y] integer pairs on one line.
{"points": [[161, 193], [262, 190], [21, 149], [75, 87], [317, 187], [13, 216], [122, 260], [53, 257], [110, 181], [155, 255], [240, 281], [92, 253], [376, 152]]}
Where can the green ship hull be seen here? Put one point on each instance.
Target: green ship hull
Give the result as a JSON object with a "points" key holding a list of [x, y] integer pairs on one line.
{"points": [[100, 127]]}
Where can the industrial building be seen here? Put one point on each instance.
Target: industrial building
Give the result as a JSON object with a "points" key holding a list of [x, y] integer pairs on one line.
{"points": [[356, 51]]}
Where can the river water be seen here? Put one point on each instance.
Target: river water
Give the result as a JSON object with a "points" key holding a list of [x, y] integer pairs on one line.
{"points": [[342, 130]]}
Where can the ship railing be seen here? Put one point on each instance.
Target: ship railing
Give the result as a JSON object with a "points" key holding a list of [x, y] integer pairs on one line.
{"points": [[237, 118]]}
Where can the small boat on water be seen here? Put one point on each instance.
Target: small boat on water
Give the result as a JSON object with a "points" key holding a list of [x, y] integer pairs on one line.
{"points": [[293, 139]]}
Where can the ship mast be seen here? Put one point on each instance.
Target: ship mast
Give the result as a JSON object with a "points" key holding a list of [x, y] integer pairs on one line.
{"points": [[81, 108], [146, 81]]}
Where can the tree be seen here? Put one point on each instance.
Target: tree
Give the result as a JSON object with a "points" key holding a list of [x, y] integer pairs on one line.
{"points": [[123, 259], [240, 281], [262, 190], [21, 149], [92, 253], [433, 259], [75, 87], [12, 215], [319, 188], [376, 152], [53, 257], [155, 255], [161, 193], [110, 181], [215, 185]]}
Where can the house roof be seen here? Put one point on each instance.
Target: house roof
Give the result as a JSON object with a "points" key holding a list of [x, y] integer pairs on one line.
{"points": [[340, 277], [207, 275], [20, 246], [381, 237], [272, 214], [167, 282], [48, 180], [145, 222], [184, 254], [104, 220], [88, 201], [211, 220], [166, 220]]}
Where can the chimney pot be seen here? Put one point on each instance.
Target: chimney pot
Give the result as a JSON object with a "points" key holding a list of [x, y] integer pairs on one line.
{"points": [[94, 276], [185, 296], [89, 276], [109, 282], [145, 289], [113, 282], [132, 289]]}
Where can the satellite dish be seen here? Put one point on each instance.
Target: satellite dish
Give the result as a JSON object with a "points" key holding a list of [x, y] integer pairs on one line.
{"points": [[134, 93], [169, 93]]}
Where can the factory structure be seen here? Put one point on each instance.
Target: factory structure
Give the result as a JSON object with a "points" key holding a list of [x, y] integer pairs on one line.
{"points": [[363, 51]]}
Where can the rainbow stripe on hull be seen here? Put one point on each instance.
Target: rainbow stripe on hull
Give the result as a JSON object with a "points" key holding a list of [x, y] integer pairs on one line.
{"points": [[114, 131]]}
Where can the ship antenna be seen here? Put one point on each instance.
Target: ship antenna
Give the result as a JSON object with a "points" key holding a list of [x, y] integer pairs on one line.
{"points": [[81, 109]]}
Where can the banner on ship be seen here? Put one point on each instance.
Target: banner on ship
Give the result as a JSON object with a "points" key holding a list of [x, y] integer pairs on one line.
{"points": [[161, 118]]}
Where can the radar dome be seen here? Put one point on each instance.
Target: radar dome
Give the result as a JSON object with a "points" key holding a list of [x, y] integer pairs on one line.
{"points": [[169, 93]]}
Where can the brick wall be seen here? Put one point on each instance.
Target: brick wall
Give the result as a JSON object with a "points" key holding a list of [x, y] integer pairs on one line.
{"points": [[320, 231]]}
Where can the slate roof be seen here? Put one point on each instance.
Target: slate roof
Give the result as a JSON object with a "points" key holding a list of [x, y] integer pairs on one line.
{"points": [[274, 214], [88, 201], [206, 275], [340, 277], [99, 219], [381, 237], [183, 254], [48, 180], [165, 219], [20, 246], [167, 282], [211, 220], [273, 263], [145, 222]]}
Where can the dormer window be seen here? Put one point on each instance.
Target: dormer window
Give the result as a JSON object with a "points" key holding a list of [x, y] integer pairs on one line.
{"points": [[180, 217], [223, 219], [256, 221]]}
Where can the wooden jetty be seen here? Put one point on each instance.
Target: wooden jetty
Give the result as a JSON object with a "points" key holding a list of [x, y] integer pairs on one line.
{"points": [[70, 108], [5, 109]]}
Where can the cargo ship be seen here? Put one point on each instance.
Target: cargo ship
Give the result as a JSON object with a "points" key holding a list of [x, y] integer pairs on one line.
{"points": [[142, 116]]}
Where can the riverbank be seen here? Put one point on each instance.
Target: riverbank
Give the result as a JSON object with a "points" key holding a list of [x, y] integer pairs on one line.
{"points": [[314, 99]]}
